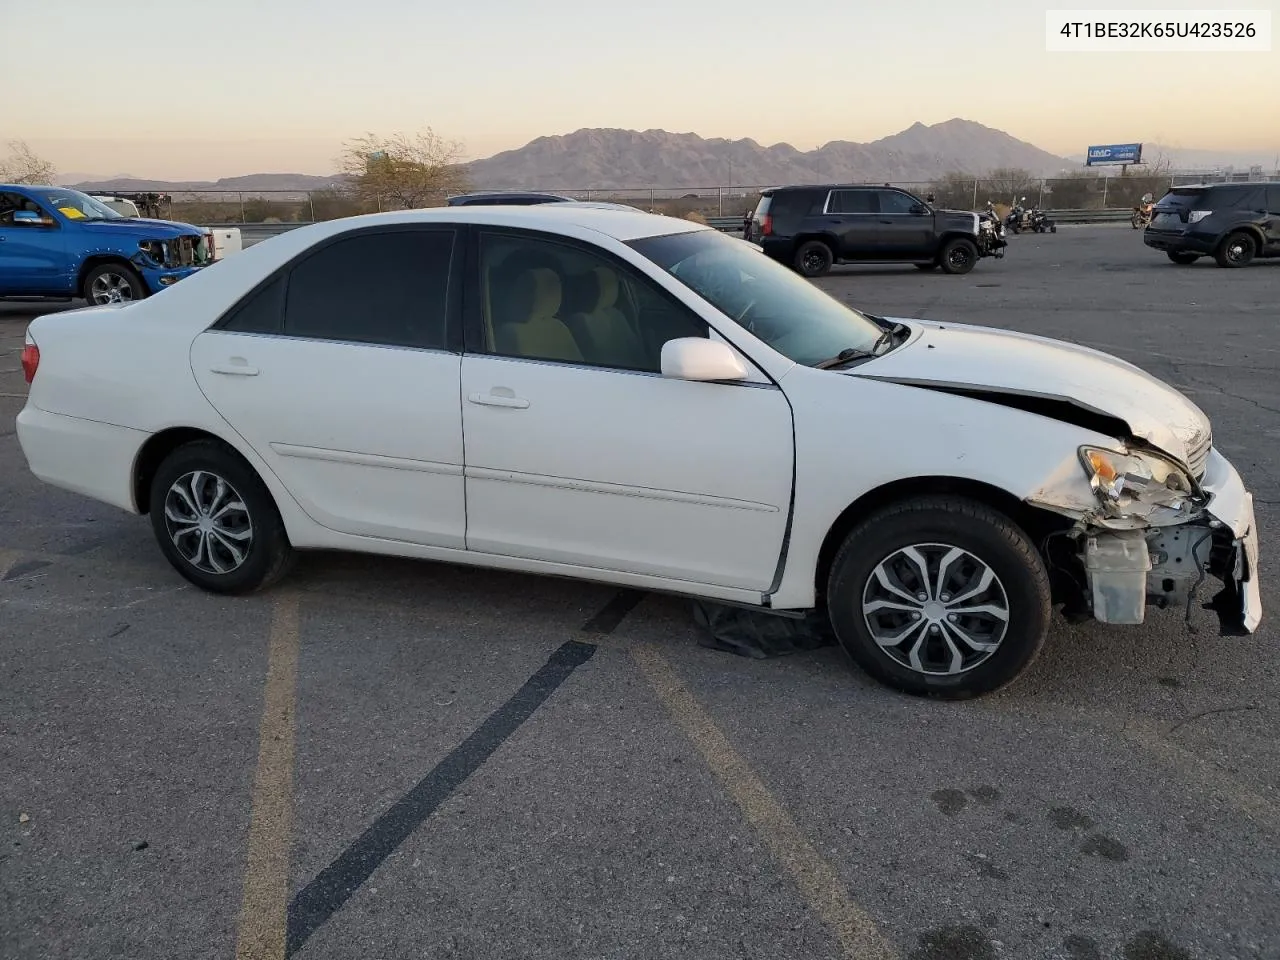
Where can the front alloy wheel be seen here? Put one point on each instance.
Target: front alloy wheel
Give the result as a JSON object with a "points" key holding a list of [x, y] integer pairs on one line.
{"points": [[935, 608], [939, 596], [113, 283]]}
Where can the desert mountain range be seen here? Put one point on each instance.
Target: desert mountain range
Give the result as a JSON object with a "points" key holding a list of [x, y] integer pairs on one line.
{"points": [[613, 159]]}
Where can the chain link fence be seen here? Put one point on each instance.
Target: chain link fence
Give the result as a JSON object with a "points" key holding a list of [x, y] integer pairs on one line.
{"points": [[1085, 191]]}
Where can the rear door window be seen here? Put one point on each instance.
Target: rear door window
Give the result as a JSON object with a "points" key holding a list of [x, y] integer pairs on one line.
{"points": [[852, 201], [384, 288]]}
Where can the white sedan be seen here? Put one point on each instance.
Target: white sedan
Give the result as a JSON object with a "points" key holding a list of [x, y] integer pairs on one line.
{"points": [[643, 401]]}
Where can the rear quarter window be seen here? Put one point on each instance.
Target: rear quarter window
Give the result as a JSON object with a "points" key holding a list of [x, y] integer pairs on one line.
{"points": [[792, 206]]}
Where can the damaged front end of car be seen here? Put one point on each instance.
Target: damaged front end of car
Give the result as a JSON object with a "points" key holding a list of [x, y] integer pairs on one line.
{"points": [[188, 250], [1157, 528], [163, 263]]}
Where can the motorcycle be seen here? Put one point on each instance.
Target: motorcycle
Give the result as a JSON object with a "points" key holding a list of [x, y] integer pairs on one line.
{"points": [[1035, 219], [1141, 216], [1040, 222]]}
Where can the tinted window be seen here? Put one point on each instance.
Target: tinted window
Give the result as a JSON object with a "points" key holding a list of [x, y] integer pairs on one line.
{"points": [[388, 288], [852, 201], [1182, 197], [260, 312], [1273, 199], [546, 300], [1246, 198], [891, 201]]}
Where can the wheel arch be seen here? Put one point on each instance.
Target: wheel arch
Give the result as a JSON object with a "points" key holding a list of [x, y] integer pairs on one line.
{"points": [[1250, 228], [822, 237], [158, 446], [97, 260], [1033, 521]]}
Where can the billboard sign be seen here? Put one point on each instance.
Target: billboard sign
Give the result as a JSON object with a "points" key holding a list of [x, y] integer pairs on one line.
{"points": [[1114, 153]]}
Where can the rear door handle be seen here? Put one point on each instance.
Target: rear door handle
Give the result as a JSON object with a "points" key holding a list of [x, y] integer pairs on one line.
{"points": [[235, 367], [493, 400]]}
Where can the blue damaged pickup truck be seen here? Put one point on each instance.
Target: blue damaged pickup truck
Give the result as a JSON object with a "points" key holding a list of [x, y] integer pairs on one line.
{"points": [[63, 244]]}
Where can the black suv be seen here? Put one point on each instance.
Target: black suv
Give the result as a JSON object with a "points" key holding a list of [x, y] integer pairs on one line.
{"points": [[1231, 222], [810, 228]]}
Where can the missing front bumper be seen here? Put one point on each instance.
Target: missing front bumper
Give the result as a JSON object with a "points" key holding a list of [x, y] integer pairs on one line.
{"points": [[1128, 571]]}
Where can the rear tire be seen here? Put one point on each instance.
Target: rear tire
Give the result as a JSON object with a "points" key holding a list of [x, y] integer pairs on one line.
{"points": [[1182, 259], [813, 259], [215, 520], [1236, 250], [959, 255], [997, 591]]}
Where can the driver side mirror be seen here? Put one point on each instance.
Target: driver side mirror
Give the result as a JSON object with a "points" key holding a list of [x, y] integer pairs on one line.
{"points": [[697, 358], [919, 209], [28, 216]]}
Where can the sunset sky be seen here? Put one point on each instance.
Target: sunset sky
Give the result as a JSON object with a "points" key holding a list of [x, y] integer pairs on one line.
{"points": [[185, 91]]}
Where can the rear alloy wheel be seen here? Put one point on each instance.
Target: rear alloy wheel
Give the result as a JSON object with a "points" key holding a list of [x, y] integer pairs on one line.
{"points": [[959, 255], [813, 259], [113, 283], [1181, 258], [215, 520], [941, 597], [1236, 250]]}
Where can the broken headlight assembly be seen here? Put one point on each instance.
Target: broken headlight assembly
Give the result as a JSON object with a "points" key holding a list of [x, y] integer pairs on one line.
{"points": [[1141, 487]]}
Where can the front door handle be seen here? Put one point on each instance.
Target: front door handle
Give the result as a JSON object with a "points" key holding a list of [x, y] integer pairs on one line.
{"points": [[494, 400], [235, 367]]}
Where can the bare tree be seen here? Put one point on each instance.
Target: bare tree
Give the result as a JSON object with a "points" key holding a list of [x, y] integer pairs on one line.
{"points": [[23, 166], [409, 171]]}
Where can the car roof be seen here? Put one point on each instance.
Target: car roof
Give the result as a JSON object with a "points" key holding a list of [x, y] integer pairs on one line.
{"points": [[490, 194], [1232, 183], [837, 186], [620, 224]]}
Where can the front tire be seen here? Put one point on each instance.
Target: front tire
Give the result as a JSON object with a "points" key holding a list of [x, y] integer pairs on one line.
{"points": [[959, 255], [1236, 250], [113, 283], [813, 259], [985, 633], [215, 520]]}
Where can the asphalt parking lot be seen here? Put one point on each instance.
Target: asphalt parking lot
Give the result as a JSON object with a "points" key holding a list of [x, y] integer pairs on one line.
{"points": [[387, 759]]}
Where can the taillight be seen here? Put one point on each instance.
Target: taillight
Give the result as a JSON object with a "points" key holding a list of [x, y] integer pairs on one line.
{"points": [[30, 360], [766, 225]]}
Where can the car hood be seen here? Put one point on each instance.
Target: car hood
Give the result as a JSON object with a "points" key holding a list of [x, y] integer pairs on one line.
{"points": [[141, 227], [968, 359]]}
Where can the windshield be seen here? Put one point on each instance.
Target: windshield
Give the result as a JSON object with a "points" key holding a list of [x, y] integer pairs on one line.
{"points": [[769, 300], [75, 205]]}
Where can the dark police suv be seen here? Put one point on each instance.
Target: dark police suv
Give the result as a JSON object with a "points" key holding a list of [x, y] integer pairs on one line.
{"points": [[1231, 222], [811, 227]]}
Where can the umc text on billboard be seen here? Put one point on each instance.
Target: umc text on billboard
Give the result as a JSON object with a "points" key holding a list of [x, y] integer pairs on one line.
{"points": [[1114, 153]]}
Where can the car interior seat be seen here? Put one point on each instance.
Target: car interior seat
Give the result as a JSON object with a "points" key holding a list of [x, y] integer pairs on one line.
{"points": [[607, 336], [526, 318]]}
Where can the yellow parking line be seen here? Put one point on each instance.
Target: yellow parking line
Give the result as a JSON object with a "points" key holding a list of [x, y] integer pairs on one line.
{"points": [[266, 882], [818, 882]]}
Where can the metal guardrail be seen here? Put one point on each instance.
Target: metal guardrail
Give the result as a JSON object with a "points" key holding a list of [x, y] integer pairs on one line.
{"points": [[254, 232]]}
